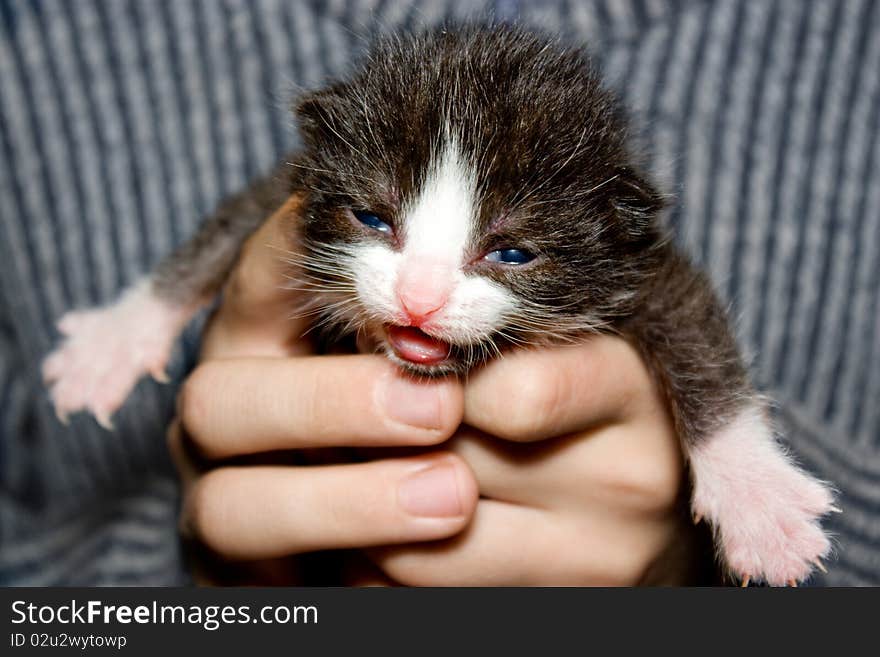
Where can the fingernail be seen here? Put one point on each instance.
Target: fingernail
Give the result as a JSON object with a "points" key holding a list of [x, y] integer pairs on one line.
{"points": [[412, 403], [432, 492]]}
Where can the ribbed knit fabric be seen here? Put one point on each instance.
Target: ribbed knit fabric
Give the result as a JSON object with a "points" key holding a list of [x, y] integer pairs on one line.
{"points": [[123, 121]]}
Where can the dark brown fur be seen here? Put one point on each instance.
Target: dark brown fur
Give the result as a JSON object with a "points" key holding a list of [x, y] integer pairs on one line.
{"points": [[550, 146], [555, 175]]}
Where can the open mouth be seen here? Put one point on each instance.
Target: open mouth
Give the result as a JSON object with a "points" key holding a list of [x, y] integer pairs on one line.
{"points": [[415, 346]]}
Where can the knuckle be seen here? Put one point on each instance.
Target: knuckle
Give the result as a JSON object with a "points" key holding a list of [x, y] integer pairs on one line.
{"points": [[645, 486], [526, 406]]}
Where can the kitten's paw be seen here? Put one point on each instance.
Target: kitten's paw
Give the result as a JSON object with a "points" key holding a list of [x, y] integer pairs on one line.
{"points": [[764, 509], [106, 350]]}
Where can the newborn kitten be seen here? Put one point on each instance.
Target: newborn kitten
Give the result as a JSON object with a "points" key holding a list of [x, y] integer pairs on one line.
{"points": [[468, 191]]}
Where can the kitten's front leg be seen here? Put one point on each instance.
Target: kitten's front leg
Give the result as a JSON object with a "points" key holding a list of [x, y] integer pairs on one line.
{"points": [[105, 351]]}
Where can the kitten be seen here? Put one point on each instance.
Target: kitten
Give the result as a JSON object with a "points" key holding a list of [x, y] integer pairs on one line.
{"points": [[467, 191]]}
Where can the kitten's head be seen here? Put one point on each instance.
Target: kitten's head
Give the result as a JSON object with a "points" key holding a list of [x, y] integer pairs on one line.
{"points": [[469, 189]]}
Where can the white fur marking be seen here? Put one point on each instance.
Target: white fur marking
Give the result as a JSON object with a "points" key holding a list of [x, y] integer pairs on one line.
{"points": [[476, 309], [764, 508], [437, 228], [375, 269], [106, 351], [437, 224]]}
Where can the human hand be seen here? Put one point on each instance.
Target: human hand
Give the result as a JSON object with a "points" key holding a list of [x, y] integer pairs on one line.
{"points": [[573, 451], [580, 474]]}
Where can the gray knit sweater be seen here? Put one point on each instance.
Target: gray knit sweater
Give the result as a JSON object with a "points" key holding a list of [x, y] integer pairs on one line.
{"points": [[124, 121]]}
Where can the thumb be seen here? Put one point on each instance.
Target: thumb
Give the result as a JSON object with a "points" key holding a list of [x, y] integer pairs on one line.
{"points": [[255, 317]]}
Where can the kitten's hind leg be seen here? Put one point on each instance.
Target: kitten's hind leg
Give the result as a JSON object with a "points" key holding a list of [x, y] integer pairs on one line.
{"points": [[105, 351], [763, 508]]}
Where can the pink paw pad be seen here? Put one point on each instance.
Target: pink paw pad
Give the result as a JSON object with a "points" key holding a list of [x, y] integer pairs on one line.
{"points": [[106, 350], [765, 510]]}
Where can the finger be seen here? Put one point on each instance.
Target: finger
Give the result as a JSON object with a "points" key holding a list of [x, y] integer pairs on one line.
{"points": [[510, 545], [535, 394], [635, 468], [235, 407], [268, 511], [255, 317]]}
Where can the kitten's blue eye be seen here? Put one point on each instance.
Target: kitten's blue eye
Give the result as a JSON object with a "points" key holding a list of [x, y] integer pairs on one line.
{"points": [[371, 220], [510, 256]]}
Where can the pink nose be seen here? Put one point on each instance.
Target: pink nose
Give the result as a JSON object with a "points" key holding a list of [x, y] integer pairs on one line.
{"points": [[423, 290]]}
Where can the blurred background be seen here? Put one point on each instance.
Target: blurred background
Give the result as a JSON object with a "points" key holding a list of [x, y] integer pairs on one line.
{"points": [[122, 122]]}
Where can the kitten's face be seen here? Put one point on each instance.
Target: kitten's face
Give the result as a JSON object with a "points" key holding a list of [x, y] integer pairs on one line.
{"points": [[468, 191]]}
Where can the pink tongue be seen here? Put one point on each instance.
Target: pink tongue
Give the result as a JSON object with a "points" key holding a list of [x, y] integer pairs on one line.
{"points": [[417, 346]]}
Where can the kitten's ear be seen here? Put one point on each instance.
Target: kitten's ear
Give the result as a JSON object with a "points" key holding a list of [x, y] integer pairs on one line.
{"points": [[636, 201], [315, 111]]}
